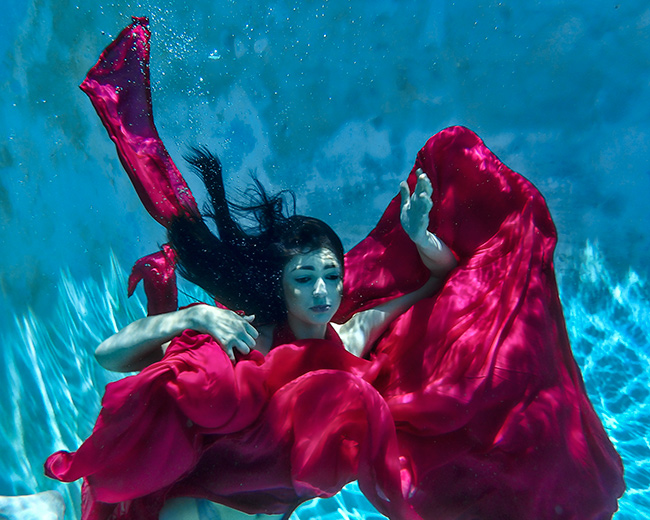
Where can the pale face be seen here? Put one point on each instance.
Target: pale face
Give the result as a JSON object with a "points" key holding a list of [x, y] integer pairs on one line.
{"points": [[313, 286]]}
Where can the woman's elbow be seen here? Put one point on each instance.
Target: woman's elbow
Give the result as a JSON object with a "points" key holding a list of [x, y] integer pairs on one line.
{"points": [[107, 358], [104, 359], [444, 266]]}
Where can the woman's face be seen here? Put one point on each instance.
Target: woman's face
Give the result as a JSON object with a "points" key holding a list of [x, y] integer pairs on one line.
{"points": [[313, 286]]}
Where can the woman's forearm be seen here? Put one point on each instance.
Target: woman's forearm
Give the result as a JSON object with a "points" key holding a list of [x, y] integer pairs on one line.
{"points": [[144, 341], [435, 255], [140, 343]]}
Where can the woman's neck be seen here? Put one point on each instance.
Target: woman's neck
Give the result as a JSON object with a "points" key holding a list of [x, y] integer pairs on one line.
{"points": [[303, 330]]}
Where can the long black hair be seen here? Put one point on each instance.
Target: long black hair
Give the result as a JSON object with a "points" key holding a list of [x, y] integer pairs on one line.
{"points": [[242, 268]]}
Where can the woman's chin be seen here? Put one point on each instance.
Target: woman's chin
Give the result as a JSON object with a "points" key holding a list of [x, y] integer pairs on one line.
{"points": [[322, 318]]}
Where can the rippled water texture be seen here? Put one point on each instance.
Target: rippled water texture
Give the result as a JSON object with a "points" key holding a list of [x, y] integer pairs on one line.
{"points": [[332, 98]]}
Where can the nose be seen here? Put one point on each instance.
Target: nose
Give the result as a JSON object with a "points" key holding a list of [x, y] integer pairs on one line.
{"points": [[319, 288]]}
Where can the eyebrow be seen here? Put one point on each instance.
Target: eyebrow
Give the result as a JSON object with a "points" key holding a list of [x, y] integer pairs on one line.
{"points": [[312, 268]]}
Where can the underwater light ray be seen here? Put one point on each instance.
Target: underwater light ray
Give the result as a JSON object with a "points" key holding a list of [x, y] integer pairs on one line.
{"points": [[13, 429]]}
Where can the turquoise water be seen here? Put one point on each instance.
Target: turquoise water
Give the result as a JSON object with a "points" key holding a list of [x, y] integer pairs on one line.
{"points": [[333, 99]]}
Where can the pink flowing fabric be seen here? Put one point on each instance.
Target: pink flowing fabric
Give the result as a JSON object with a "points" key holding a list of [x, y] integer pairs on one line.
{"points": [[470, 406], [492, 416], [157, 271], [119, 88], [262, 435]]}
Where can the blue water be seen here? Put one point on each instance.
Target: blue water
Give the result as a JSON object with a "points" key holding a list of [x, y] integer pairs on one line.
{"points": [[333, 99]]}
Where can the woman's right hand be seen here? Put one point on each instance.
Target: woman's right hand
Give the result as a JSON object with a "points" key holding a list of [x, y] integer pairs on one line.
{"points": [[231, 330]]}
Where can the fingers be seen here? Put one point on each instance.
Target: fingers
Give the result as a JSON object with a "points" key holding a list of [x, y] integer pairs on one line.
{"points": [[229, 349], [248, 339], [250, 330], [404, 192], [244, 335], [424, 203], [421, 203], [421, 199], [231, 330], [423, 185], [241, 346], [230, 353], [423, 188]]}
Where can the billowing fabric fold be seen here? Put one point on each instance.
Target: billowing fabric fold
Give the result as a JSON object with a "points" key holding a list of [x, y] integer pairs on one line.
{"points": [[470, 406], [119, 88]]}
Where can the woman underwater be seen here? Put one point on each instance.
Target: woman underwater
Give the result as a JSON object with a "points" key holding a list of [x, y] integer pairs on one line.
{"points": [[466, 402], [297, 269]]}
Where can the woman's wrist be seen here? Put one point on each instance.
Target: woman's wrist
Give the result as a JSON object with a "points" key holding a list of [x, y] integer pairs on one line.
{"points": [[204, 318], [435, 255], [194, 318]]}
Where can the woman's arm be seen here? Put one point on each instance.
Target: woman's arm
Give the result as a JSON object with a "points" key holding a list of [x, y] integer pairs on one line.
{"points": [[144, 341], [361, 331], [435, 255], [364, 328]]}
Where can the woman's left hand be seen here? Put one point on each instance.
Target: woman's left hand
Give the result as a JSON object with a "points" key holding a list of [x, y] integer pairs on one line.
{"points": [[415, 220], [416, 207]]}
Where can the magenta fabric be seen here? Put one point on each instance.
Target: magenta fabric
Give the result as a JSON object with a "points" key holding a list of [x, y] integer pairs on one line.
{"points": [[471, 405], [490, 406], [262, 435], [119, 88], [158, 275]]}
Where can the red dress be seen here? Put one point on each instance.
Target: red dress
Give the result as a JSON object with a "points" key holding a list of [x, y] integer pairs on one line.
{"points": [[470, 406]]}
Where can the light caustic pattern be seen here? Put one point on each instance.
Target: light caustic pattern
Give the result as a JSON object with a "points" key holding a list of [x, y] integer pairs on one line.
{"points": [[54, 385]]}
